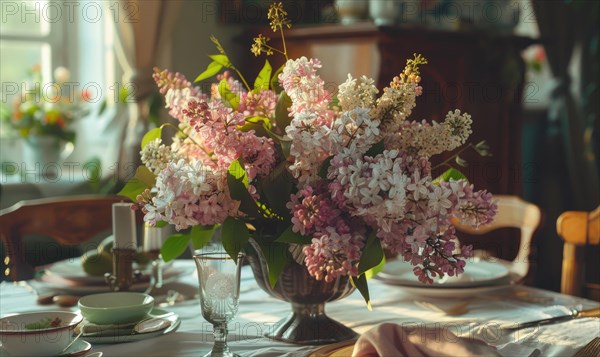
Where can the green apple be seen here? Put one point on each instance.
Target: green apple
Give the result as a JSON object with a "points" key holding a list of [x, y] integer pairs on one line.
{"points": [[106, 245], [97, 263]]}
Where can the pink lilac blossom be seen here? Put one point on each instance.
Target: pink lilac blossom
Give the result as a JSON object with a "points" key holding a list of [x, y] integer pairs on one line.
{"points": [[471, 207], [233, 85], [312, 211], [337, 240], [307, 90], [190, 194], [332, 254], [217, 126], [311, 144], [260, 104]]}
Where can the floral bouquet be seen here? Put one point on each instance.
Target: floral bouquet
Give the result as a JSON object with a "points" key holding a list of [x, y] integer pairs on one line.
{"points": [[48, 110], [335, 179]]}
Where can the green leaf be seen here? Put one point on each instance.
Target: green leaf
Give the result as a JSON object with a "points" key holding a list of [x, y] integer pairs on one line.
{"points": [[237, 180], [376, 149], [325, 167], [212, 69], [142, 180], [234, 236], [277, 257], [201, 235], [264, 76], [372, 254], [151, 135], [289, 236], [259, 124], [376, 269], [275, 87], [223, 60], [236, 171], [227, 95], [450, 174], [160, 224], [360, 282], [286, 147], [460, 161], [483, 149], [259, 129], [277, 187], [174, 246], [257, 119], [282, 115]]}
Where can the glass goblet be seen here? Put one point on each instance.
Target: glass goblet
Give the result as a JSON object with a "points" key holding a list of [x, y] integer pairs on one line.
{"points": [[219, 279]]}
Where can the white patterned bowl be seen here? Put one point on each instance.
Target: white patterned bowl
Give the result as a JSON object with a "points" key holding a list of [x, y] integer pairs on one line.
{"points": [[30, 334]]}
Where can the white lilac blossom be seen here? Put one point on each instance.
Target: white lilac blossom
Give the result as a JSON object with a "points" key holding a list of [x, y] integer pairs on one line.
{"points": [[155, 156], [357, 93]]}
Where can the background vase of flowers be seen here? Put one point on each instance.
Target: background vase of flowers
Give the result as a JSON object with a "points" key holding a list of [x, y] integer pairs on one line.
{"points": [[46, 151], [320, 181], [43, 116]]}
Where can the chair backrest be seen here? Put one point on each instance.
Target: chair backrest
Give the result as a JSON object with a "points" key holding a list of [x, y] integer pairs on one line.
{"points": [[577, 229], [67, 220], [513, 212]]}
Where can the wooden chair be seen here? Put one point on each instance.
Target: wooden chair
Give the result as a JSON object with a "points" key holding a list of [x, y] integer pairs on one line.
{"points": [[513, 212], [578, 229], [67, 220]]}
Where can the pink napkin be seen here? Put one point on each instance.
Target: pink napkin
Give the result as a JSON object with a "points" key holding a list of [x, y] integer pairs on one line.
{"points": [[391, 340]]}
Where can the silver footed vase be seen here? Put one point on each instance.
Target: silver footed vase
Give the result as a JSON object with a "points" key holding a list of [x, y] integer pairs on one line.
{"points": [[307, 324]]}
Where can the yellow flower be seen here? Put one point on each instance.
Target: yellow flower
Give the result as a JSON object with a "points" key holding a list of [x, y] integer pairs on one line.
{"points": [[278, 17], [52, 117], [260, 45]]}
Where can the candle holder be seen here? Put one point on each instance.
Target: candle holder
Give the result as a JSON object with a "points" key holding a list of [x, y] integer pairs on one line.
{"points": [[123, 275]]}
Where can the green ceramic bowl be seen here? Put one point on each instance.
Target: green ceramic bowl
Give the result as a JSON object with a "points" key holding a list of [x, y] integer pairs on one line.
{"points": [[115, 308]]}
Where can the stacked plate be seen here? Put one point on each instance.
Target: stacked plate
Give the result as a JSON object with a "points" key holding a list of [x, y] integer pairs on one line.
{"points": [[479, 276], [67, 276]]}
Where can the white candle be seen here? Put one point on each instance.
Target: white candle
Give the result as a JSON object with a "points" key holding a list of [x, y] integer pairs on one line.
{"points": [[154, 237], [124, 226]]}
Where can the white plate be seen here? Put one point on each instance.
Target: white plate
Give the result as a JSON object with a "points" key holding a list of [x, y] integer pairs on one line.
{"points": [[455, 292], [63, 285], [70, 269], [78, 348], [120, 337], [477, 273]]}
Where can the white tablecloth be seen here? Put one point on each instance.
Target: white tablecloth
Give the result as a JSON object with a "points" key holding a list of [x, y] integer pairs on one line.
{"points": [[258, 312]]}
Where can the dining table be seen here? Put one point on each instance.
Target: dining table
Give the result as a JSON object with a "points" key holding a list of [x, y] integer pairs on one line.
{"points": [[486, 311]]}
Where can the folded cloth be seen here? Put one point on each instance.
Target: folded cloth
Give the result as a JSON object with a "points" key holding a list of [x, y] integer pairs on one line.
{"points": [[391, 340]]}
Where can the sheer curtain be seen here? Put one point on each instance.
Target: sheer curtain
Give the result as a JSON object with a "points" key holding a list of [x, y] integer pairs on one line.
{"points": [[563, 26], [569, 179], [143, 32]]}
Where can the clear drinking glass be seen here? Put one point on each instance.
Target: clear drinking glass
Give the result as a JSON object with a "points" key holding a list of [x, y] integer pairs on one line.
{"points": [[219, 279], [154, 237]]}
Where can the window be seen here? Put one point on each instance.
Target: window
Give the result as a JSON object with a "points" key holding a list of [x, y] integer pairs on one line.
{"points": [[32, 33], [76, 34]]}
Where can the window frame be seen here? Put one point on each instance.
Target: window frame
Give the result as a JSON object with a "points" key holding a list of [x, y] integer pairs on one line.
{"points": [[57, 47]]}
